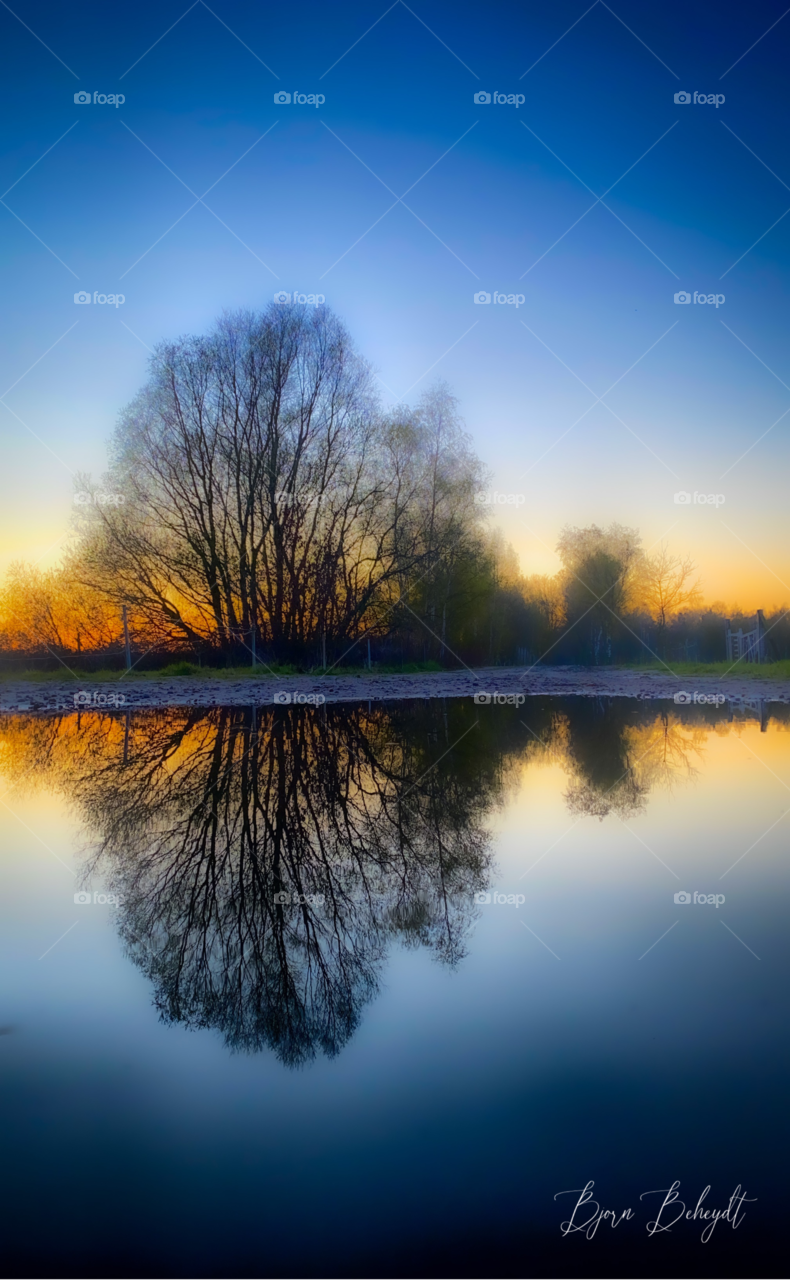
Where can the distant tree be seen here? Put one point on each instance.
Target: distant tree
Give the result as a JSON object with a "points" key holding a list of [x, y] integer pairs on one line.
{"points": [[598, 579], [45, 611], [665, 585]]}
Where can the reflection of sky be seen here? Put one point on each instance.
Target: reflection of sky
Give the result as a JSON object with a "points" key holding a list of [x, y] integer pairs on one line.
{"points": [[488, 197], [521, 1074]]}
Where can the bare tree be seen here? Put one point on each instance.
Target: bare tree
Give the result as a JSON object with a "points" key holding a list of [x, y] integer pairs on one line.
{"points": [[664, 585], [262, 488]]}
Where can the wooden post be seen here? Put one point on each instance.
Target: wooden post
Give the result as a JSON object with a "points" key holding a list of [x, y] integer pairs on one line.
{"points": [[760, 636], [370, 664], [323, 648], [254, 615], [126, 640]]}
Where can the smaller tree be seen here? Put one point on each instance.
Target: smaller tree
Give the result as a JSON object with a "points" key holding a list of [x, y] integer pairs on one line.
{"points": [[597, 578], [665, 585]]}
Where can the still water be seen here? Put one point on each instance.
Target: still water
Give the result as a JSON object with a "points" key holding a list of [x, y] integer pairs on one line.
{"points": [[360, 990]]}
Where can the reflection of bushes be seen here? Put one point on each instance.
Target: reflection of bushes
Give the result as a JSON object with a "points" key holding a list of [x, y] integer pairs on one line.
{"points": [[371, 822]]}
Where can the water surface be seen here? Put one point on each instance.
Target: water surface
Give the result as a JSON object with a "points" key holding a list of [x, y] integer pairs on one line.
{"points": [[381, 982]]}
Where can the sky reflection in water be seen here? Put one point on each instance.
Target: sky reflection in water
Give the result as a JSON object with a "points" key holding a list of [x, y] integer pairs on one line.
{"points": [[309, 889]]}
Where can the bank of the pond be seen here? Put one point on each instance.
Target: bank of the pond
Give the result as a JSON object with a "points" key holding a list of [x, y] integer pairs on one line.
{"points": [[488, 684]]}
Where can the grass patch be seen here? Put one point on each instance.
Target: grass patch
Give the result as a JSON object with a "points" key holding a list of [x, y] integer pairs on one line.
{"points": [[188, 670], [180, 669], [746, 670]]}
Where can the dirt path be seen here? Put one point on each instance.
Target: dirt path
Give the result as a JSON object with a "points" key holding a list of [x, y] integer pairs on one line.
{"points": [[499, 682]]}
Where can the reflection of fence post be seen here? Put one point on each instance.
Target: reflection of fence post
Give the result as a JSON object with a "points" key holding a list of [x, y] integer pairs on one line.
{"points": [[126, 640], [370, 664]]}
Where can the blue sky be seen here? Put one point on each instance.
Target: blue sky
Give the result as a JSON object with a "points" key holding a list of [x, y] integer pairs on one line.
{"points": [[300, 199]]}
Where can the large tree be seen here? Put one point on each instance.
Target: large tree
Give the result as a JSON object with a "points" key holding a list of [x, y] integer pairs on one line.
{"points": [[264, 489]]}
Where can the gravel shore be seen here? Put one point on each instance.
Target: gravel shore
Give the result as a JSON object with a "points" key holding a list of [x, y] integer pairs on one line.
{"points": [[499, 682]]}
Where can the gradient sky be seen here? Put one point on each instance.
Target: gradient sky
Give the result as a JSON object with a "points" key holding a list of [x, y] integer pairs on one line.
{"points": [[303, 205]]}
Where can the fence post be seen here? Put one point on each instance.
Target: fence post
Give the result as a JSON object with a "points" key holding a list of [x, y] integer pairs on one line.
{"points": [[254, 602], [126, 640], [760, 636]]}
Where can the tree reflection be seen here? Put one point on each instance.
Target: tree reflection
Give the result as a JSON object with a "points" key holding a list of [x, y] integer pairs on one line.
{"points": [[619, 755], [268, 860]]}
